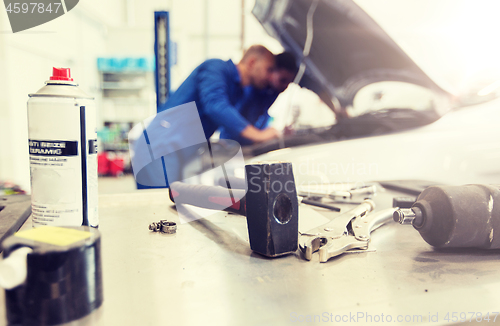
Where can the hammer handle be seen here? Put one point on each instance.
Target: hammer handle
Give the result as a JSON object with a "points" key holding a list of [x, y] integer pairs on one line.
{"points": [[211, 197]]}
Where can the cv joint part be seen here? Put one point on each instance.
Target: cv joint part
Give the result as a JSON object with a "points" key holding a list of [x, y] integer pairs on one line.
{"points": [[456, 216]]}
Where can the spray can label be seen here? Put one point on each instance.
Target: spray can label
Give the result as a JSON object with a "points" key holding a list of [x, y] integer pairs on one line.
{"points": [[63, 157]]}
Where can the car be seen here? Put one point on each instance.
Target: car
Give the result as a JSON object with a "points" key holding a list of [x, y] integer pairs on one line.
{"points": [[403, 124], [354, 66], [461, 147]]}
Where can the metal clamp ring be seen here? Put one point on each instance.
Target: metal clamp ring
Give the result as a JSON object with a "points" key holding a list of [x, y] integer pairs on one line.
{"points": [[168, 227]]}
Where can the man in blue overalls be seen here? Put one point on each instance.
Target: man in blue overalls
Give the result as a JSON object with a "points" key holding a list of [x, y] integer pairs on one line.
{"points": [[258, 101], [210, 98], [218, 88]]}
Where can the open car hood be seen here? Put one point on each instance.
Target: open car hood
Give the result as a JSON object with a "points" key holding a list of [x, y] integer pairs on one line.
{"points": [[348, 51]]}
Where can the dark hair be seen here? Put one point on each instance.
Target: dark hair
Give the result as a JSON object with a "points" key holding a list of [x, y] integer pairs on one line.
{"points": [[286, 60], [256, 50]]}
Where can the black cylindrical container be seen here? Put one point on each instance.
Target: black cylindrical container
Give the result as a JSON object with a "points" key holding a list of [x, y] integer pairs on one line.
{"points": [[64, 279], [459, 216]]}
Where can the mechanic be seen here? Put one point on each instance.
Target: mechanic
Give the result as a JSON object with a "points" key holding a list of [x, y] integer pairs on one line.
{"points": [[218, 88], [258, 101]]}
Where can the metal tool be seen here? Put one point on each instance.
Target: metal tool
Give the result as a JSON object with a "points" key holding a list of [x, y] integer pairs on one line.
{"points": [[341, 194], [360, 238], [350, 230], [270, 205], [318, 203], [163, 226], [456, 216], [403, 202]]}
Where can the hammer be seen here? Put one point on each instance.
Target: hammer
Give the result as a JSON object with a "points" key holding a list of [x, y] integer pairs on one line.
{"points": [[270, 205]]}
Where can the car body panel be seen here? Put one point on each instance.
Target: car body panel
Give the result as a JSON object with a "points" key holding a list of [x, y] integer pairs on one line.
{"points": [[461, 147], [348, 50]]}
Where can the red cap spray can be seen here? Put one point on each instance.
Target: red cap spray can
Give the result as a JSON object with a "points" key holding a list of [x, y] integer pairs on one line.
{"points": [[63, 153]]}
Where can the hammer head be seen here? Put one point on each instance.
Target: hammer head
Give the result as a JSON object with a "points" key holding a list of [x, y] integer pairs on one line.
{"points": [[272, 208]]}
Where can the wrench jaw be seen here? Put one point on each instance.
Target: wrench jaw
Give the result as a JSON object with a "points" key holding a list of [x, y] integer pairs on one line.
{"points": [[329, 248], [312, 245], [336, 247], [306, 247], [318, 237], [330, 242]]}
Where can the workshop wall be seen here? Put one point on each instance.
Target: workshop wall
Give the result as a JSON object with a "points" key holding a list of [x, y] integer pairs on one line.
{"points": [[73, 40], [201, 28]]}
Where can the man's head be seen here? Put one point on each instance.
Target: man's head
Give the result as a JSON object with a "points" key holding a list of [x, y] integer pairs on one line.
{"points": [[256, 66], [285, 69]]}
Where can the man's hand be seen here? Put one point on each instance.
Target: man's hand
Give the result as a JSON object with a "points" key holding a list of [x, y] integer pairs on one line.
{"points": [[269, 133], [341, 114], [259, 136]]}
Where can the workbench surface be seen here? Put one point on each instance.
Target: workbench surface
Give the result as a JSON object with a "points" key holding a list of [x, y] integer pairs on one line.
{"points": [[206, 274]]}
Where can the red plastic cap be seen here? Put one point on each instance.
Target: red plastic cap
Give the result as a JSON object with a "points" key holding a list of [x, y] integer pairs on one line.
{"points": [[61, 74]]}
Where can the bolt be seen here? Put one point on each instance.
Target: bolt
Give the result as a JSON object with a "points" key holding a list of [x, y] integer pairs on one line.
{"points": [[153, 226], [404, 216]]}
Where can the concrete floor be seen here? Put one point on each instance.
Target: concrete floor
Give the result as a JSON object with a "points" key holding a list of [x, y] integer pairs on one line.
{"points": [[117, 185]]}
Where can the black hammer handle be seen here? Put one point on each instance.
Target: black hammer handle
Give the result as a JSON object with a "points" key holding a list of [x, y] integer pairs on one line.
{"points": [[211, 197]]}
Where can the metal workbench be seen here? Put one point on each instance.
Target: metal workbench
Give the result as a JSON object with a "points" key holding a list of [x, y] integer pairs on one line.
{"points": [[206, 274]]}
